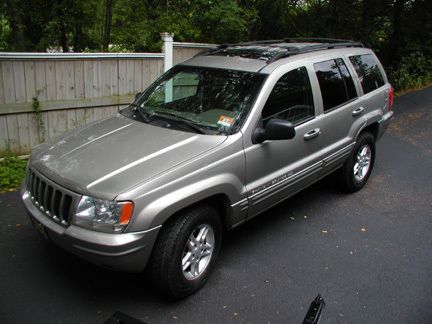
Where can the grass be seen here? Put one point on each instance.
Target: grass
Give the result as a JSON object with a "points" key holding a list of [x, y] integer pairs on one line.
{"points": [[12, 173], [408, 90]]}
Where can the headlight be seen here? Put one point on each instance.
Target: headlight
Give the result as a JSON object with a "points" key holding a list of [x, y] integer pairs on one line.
{"points": [[103, 215]]}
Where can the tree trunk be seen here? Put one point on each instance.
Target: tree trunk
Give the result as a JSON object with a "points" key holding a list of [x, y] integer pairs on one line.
{"points": [[107, 28], [396, 37], [63, 38]]}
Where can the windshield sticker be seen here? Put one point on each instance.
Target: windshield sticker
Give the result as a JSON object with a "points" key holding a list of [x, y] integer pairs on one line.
{"points": [[225, 121]]}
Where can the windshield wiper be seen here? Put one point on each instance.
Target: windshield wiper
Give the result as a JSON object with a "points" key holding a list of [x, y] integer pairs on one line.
{"points": [[184, 121], [142, 113]]}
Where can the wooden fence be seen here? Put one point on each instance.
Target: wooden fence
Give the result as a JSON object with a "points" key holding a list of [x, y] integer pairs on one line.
{"points": [[184, 51], [43, 95]]}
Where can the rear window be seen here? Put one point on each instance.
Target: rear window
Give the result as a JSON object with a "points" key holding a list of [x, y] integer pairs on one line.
{"points": [[368, 72], [336, 84]]}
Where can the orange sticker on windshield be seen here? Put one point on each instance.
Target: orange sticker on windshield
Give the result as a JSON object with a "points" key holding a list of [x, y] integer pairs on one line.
{"points": [[225, 121]]}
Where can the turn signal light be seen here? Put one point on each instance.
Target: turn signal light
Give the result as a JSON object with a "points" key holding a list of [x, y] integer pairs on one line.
{"points": [[126, 213]]}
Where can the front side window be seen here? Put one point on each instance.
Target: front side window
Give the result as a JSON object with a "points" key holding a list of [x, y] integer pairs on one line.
{"points": [[368, 72], [291, 98], [205, 100], [336, 84]]}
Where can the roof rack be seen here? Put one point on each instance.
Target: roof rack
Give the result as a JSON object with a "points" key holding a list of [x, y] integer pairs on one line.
{"points": [[313, 48], [316, 39], [323, 43]]}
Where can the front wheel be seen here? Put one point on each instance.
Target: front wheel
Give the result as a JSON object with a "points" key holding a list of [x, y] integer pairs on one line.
{"points": [[356, 170], [186, 251]]}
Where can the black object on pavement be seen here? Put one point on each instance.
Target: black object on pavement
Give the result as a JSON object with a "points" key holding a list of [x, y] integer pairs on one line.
{"points": [[314, 313]]}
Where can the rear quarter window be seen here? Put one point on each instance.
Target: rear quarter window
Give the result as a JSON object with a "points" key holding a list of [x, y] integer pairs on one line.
{"points": [[369, 73]]}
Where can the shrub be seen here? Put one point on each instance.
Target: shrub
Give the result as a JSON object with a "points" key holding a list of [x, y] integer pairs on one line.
{"points": [[414, 71], [12, 173]]}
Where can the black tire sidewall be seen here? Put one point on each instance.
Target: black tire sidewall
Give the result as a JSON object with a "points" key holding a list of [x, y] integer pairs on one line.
{"points": [[178, 284]]}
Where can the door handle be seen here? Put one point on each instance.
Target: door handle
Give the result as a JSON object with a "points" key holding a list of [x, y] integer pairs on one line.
{"points": [[357, 111], [312, 134]]}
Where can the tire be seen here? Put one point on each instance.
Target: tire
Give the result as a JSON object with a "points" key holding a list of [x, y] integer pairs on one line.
{"points": [[356, 170], [181, 263]]}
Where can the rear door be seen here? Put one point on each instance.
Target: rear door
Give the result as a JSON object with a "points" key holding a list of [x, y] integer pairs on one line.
{"points": [[343, 111]]}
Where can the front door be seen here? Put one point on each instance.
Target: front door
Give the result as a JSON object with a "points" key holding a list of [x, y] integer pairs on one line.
{"points": [[277, 169]]}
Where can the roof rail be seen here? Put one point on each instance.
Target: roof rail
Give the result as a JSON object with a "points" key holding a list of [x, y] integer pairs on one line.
{"points": [[226, 45], [324, 43], [315, 39], [312, 48]]}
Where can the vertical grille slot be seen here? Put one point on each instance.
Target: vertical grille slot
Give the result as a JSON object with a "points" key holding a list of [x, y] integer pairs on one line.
{"points": [[31, 185], [34, 186], [36, 189], [65, 205], [57, 198], [41, 192], [47, 199]]}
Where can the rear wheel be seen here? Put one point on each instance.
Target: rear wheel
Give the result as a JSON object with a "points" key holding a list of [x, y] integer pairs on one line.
{"points": [[357, 169], [186, 251]]}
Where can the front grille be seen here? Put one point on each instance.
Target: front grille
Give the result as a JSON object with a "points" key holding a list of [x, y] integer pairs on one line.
{"points": [[55, 202]]}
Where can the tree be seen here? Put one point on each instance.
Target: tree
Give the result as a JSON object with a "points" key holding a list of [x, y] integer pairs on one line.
{"points": [[107, 25], [400, 31]]}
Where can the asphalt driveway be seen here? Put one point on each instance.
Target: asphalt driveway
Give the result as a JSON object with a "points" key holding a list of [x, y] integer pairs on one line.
{"points": [[369, 254]]}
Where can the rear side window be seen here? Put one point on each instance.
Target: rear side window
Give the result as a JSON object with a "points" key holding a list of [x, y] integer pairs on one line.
{"points": [[368, 72], [337, 86], [291, 98]]}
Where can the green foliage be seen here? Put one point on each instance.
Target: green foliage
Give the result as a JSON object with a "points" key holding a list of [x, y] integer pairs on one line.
{"points": [[400, 31], [136, 27], [38, 25], [5, 31], [414, 71], [131, 30], [12, 173]]}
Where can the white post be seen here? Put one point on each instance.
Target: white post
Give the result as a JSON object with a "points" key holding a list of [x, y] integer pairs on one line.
{"points": [[167, 49]]}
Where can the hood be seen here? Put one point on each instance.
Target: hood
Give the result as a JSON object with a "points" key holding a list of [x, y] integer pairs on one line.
{"points": [[106, 158]]}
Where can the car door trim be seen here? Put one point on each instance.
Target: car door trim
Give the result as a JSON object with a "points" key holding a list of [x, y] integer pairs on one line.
{"points": [[282, 182]]}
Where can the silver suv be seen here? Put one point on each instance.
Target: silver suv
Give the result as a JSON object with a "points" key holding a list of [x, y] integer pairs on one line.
{"points": [[212, 143]]}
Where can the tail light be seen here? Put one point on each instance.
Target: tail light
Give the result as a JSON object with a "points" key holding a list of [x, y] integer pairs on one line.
{"points": [[391, 98]]}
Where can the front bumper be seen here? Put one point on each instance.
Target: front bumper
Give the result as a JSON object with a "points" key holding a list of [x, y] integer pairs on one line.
{"points": [[127, 252], [383, 123]]}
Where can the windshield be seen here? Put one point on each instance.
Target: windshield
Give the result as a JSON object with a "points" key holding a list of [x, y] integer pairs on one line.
{"points": [[198, 99]]}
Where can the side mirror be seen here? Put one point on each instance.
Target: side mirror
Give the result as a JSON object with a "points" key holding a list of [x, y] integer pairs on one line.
{"points": [[276, 129]]}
